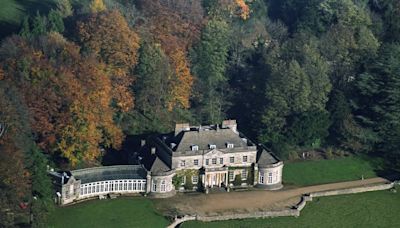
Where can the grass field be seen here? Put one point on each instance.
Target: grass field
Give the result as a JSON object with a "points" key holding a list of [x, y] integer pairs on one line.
{"points": [[372, 209], [121, 212], [13, 11], [326, 171]]}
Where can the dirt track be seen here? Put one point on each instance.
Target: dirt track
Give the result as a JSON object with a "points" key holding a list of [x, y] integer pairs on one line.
{"points": [[247, 201]]}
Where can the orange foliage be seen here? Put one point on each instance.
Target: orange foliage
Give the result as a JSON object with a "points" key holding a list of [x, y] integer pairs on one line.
{"points": [[1, 74], [181, 87], [68, 97], [176, 34], [244, 10], [109, 37], [13, 179]]}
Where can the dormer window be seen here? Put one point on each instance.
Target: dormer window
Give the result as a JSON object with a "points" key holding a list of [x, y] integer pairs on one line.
{"points": [[212, 146], [229, 145], [195, 147]]}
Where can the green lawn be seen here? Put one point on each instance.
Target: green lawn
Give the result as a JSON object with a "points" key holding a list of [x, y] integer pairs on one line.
{"points": [[13, 11], [371, 209], [326, 171], [121, 212]]}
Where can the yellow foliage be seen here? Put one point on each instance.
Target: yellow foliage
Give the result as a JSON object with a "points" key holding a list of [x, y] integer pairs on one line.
{"points": [[97, 6], [244, 10], [108, 35], [181, 87]]}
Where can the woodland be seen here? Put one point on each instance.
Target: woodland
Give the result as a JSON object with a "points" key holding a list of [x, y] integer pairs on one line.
{"points": [[79, 77]]}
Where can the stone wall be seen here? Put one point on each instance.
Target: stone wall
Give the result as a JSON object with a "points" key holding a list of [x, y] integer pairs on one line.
{"points": [[258, 214], [353, 190], [295, 211]]}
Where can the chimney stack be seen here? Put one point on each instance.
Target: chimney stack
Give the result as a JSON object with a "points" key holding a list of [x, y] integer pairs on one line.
{"points": [[142, 142], [231, 124], [179, 127], [153, 151]]}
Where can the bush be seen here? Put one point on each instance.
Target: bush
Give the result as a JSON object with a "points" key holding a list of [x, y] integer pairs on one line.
{"points": [[329, 153], [177, 181], [238, 180]]}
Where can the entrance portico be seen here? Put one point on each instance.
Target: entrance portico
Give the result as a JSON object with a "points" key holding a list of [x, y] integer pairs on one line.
{"points": [[215, 177]]}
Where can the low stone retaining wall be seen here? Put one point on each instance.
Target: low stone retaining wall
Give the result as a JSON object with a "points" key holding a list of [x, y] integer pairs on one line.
{"points": [[261, 214], [353, 190], [295, 211]]}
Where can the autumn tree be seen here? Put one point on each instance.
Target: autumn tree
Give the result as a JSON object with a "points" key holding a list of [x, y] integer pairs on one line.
{"points": [[14, 143], [97, 6], [75, 119], [109, 37]]}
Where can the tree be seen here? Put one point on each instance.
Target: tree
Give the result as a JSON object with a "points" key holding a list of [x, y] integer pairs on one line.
{"points": [[97, 6], [75, 119], [64, 8], [42, 192], [14, 143], [39, 25], [25, 28], [109, 37], [55, 21], [210, 62], [378, 101], [182, 83], [153, 87]]}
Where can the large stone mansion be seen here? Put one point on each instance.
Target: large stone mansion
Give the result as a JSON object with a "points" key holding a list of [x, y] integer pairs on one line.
{"points": [[192, 158]]}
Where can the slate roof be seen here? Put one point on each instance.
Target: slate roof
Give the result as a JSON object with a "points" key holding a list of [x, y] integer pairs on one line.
{"points": [[109, 173], [57, 177], [152, 163], [159, 167], [265, 157], [202, 138]]}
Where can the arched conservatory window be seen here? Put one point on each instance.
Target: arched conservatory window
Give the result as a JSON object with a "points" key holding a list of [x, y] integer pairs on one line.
{"points": [[162, 186]]}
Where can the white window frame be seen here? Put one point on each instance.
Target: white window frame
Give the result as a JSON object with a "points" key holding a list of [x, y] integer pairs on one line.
{"points": [[207, 161], [195, 179], [245, 158], [154, 186], [196, 161], [232, 159], [221, 161], [270, 177], [230, 145], [183, 180], [214, 161], [231, 176], [261, 178], [212, 146], [195, 147], [183, 163], [163, 186], [244, 174]]}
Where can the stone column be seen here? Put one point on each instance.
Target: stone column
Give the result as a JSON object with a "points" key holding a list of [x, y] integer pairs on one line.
{"points": [[148, 182], [255, 175]]}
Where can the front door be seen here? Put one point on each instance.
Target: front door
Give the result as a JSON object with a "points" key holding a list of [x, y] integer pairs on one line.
{"points": [[213, 180]]}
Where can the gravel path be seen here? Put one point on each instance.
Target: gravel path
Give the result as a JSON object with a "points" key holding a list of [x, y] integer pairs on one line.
{"points": [[246, 201]]}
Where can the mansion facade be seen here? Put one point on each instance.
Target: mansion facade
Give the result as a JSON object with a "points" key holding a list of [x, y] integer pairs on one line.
{"points": [[192, 158]]}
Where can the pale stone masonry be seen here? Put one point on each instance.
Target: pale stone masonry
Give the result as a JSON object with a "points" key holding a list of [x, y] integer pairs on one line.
{"points": [[192, 158], [214, 156]]}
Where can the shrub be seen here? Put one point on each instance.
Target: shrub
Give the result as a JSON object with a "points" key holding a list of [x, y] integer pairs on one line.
{"points": [[238, 180], [329, 153]]}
